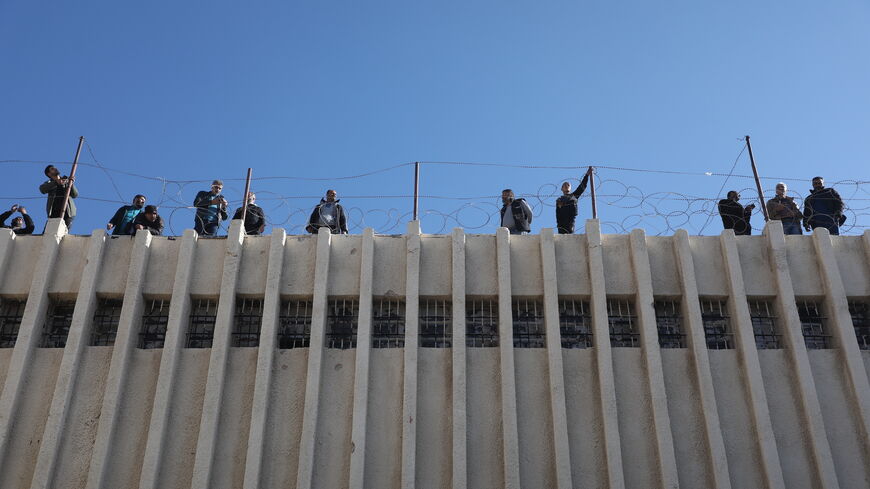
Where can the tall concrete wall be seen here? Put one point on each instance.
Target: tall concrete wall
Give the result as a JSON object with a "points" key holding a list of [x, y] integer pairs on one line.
{"points": [[462, 417]]}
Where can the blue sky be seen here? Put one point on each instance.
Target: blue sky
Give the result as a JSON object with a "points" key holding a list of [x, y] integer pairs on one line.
{"points": [[309, 92]]}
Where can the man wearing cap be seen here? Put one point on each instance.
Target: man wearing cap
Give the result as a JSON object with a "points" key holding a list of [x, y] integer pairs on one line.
{"points": [[149, 220]]}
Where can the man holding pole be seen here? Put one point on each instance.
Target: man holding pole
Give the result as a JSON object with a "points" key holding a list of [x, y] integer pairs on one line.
{"points": [[566, 204], [56, 188]]}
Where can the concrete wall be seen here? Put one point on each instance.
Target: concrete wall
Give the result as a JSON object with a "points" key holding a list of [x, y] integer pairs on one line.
{"points": [[122, 417]]}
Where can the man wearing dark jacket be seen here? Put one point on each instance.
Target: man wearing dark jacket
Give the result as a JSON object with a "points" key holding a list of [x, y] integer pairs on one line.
{"points": [[20, 225], [823, 208], [149, 220], [211, 209], [782, 208], [122, 222], [519, 219], [330, 214], [56, 187], [734, 215], [255, 218], [566, 205]]}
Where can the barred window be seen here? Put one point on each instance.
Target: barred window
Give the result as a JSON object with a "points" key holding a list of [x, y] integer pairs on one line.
{"points": [[575, 323], [669, 322], [11, 312], [388, 323], [248, 320], [764, 325], [436, 323], [623, 323], [528, 323], [105, 325], [481, 322], [860, 313], [815, 331], [294, 324], [57, 323], [717, 327], [200, 328], [341, 323], [154, 320]]}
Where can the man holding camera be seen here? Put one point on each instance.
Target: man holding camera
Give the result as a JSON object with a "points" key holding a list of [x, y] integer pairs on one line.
{"points": [[20, 225], [211, 209]]}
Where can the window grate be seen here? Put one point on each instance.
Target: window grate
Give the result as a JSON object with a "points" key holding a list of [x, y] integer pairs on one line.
{"points": [[200, 328], [717, 328], [341, 323], [623, 323], [815, 332], [481, 323], [436, 323], [575, 323], [294, 325], [860, 313], [11, 312], [528, 323], [764, 325], [388, 323], [154, 321], [106, 319], [57, 324], [248, 320], [669, 322]]}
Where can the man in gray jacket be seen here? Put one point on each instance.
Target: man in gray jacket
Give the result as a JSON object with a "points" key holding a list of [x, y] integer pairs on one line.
{"points": [[56, 187], [516, 215]]}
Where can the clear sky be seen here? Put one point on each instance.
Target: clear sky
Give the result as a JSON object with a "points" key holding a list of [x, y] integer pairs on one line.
{"points": [[305, 93]]}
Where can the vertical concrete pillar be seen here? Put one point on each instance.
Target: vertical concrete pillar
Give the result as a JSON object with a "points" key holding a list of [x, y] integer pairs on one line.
{"points": [[30, 331], [796, 350], [603, 356], [652, 358], [176, 326], [744, 340], [265, 361], [510, 433], [701, 361], [80, 327], [459, 475], [843, 331], [363, 357], [556, 371], [412, 345], [125, 344], [7, 242], [217, 365], [305, 473]]}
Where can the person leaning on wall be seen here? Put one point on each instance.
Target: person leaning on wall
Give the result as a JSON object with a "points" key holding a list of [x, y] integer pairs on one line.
{"points": [[122, 222], [149, 220]]}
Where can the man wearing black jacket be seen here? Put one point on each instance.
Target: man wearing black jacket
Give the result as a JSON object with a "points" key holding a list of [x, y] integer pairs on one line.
{"points": [[734, 215], [149, 220], [823, 208], [255, 218], [566, 205], [20, 225], [330, 214]]}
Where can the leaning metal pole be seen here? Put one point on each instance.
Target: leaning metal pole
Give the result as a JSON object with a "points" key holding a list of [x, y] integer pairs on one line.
{"points": [[416, 190], [245, 199], [757, 181], [72, 175], [592, 194]]}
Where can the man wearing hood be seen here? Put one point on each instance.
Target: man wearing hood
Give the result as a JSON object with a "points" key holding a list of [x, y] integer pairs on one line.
{"points": [[329, 214], [823, 208], [566, 205], [122, 222]]}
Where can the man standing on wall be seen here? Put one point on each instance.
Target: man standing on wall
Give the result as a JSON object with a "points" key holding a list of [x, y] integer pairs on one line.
{"points": [[566, 205], [255, 218], [330, 214], [783, 209], [211, 209], [734, 215], [122, 222], [516, 215], [56, 187], [823, 208]]}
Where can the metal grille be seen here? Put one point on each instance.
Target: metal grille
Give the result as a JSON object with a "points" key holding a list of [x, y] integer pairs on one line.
{"points": [[11, 312], [388, 323], [154, 321], [436, 323], [249, 318], [816, 335], [669, 322], [575, 323], [717, 328], [860, 313], [200, 327], [623, 323], [106, 318], [57, 323], [764, 325], [481, 323], [528, 323], [341, 323], [294, 325]]}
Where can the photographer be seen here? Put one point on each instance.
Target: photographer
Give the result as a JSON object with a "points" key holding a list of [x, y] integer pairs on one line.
{"points": [[20, 225], [56, 188], [211, 209]]}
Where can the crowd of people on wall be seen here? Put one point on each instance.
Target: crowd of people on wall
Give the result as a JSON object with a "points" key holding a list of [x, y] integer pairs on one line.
{"points": [[823, 208]]}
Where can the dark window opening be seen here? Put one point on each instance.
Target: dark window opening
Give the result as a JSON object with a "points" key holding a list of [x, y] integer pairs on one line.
{"points": [[575, 323], [106, 319], [341, 323], [623, 323], [764, 325], [816, 336], [11, 312], [481, 323], [669, 322], [248, 320], [860, 313], [154, 321], [388, 323], [200, 328], [294, 325], [528, 323], [717, 329], [58, 320], [436, 323]]}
